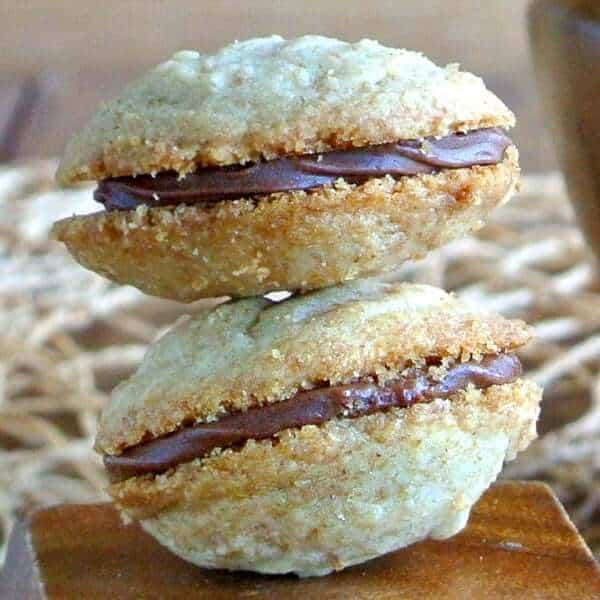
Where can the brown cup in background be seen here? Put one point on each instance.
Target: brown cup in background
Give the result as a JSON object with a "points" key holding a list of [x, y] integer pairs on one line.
{"points": [[565, 41]]}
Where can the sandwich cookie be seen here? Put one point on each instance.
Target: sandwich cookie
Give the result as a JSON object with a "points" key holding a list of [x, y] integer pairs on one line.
{"points": [[319, 432], [285, 165]]}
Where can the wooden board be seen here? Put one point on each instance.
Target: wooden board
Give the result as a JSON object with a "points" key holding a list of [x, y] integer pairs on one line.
{"points": [[519, 544]]}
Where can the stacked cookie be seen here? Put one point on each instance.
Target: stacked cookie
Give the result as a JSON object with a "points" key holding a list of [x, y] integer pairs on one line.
{"points": [[317, 432]]}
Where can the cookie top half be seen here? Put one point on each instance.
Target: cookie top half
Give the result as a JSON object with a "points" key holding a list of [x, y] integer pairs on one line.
{"points": [[253, 352], [268, 97]]}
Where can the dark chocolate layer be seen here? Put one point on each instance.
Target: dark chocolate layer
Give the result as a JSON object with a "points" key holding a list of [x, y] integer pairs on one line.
{"points": [[307, 408], [478, 147]]}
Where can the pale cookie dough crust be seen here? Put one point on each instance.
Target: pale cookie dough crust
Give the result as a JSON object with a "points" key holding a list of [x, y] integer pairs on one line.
{"points": [[268, 97], [305, 503], [287, 241], [251, 352]]}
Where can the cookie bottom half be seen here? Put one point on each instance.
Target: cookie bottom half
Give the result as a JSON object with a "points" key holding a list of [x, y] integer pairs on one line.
{"points": [[321, 498], [288, 240]]}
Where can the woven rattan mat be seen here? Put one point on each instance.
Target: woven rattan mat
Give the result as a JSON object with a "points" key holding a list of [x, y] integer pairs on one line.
{"points": [[67, 336]]}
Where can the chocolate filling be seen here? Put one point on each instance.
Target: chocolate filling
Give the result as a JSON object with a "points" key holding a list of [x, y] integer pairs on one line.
{"points": [[307, 408], [459, 150]]}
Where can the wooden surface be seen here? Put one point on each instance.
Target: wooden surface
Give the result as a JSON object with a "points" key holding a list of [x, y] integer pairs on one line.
{"points": [[79, 53], [519, 544]]}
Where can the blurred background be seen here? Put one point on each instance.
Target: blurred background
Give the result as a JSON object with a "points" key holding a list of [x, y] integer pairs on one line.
{"points": [[67, 336], [66, 57]]}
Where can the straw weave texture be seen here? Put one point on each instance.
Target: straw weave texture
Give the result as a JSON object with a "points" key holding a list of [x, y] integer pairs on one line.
{"points": [[67, 336]]}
